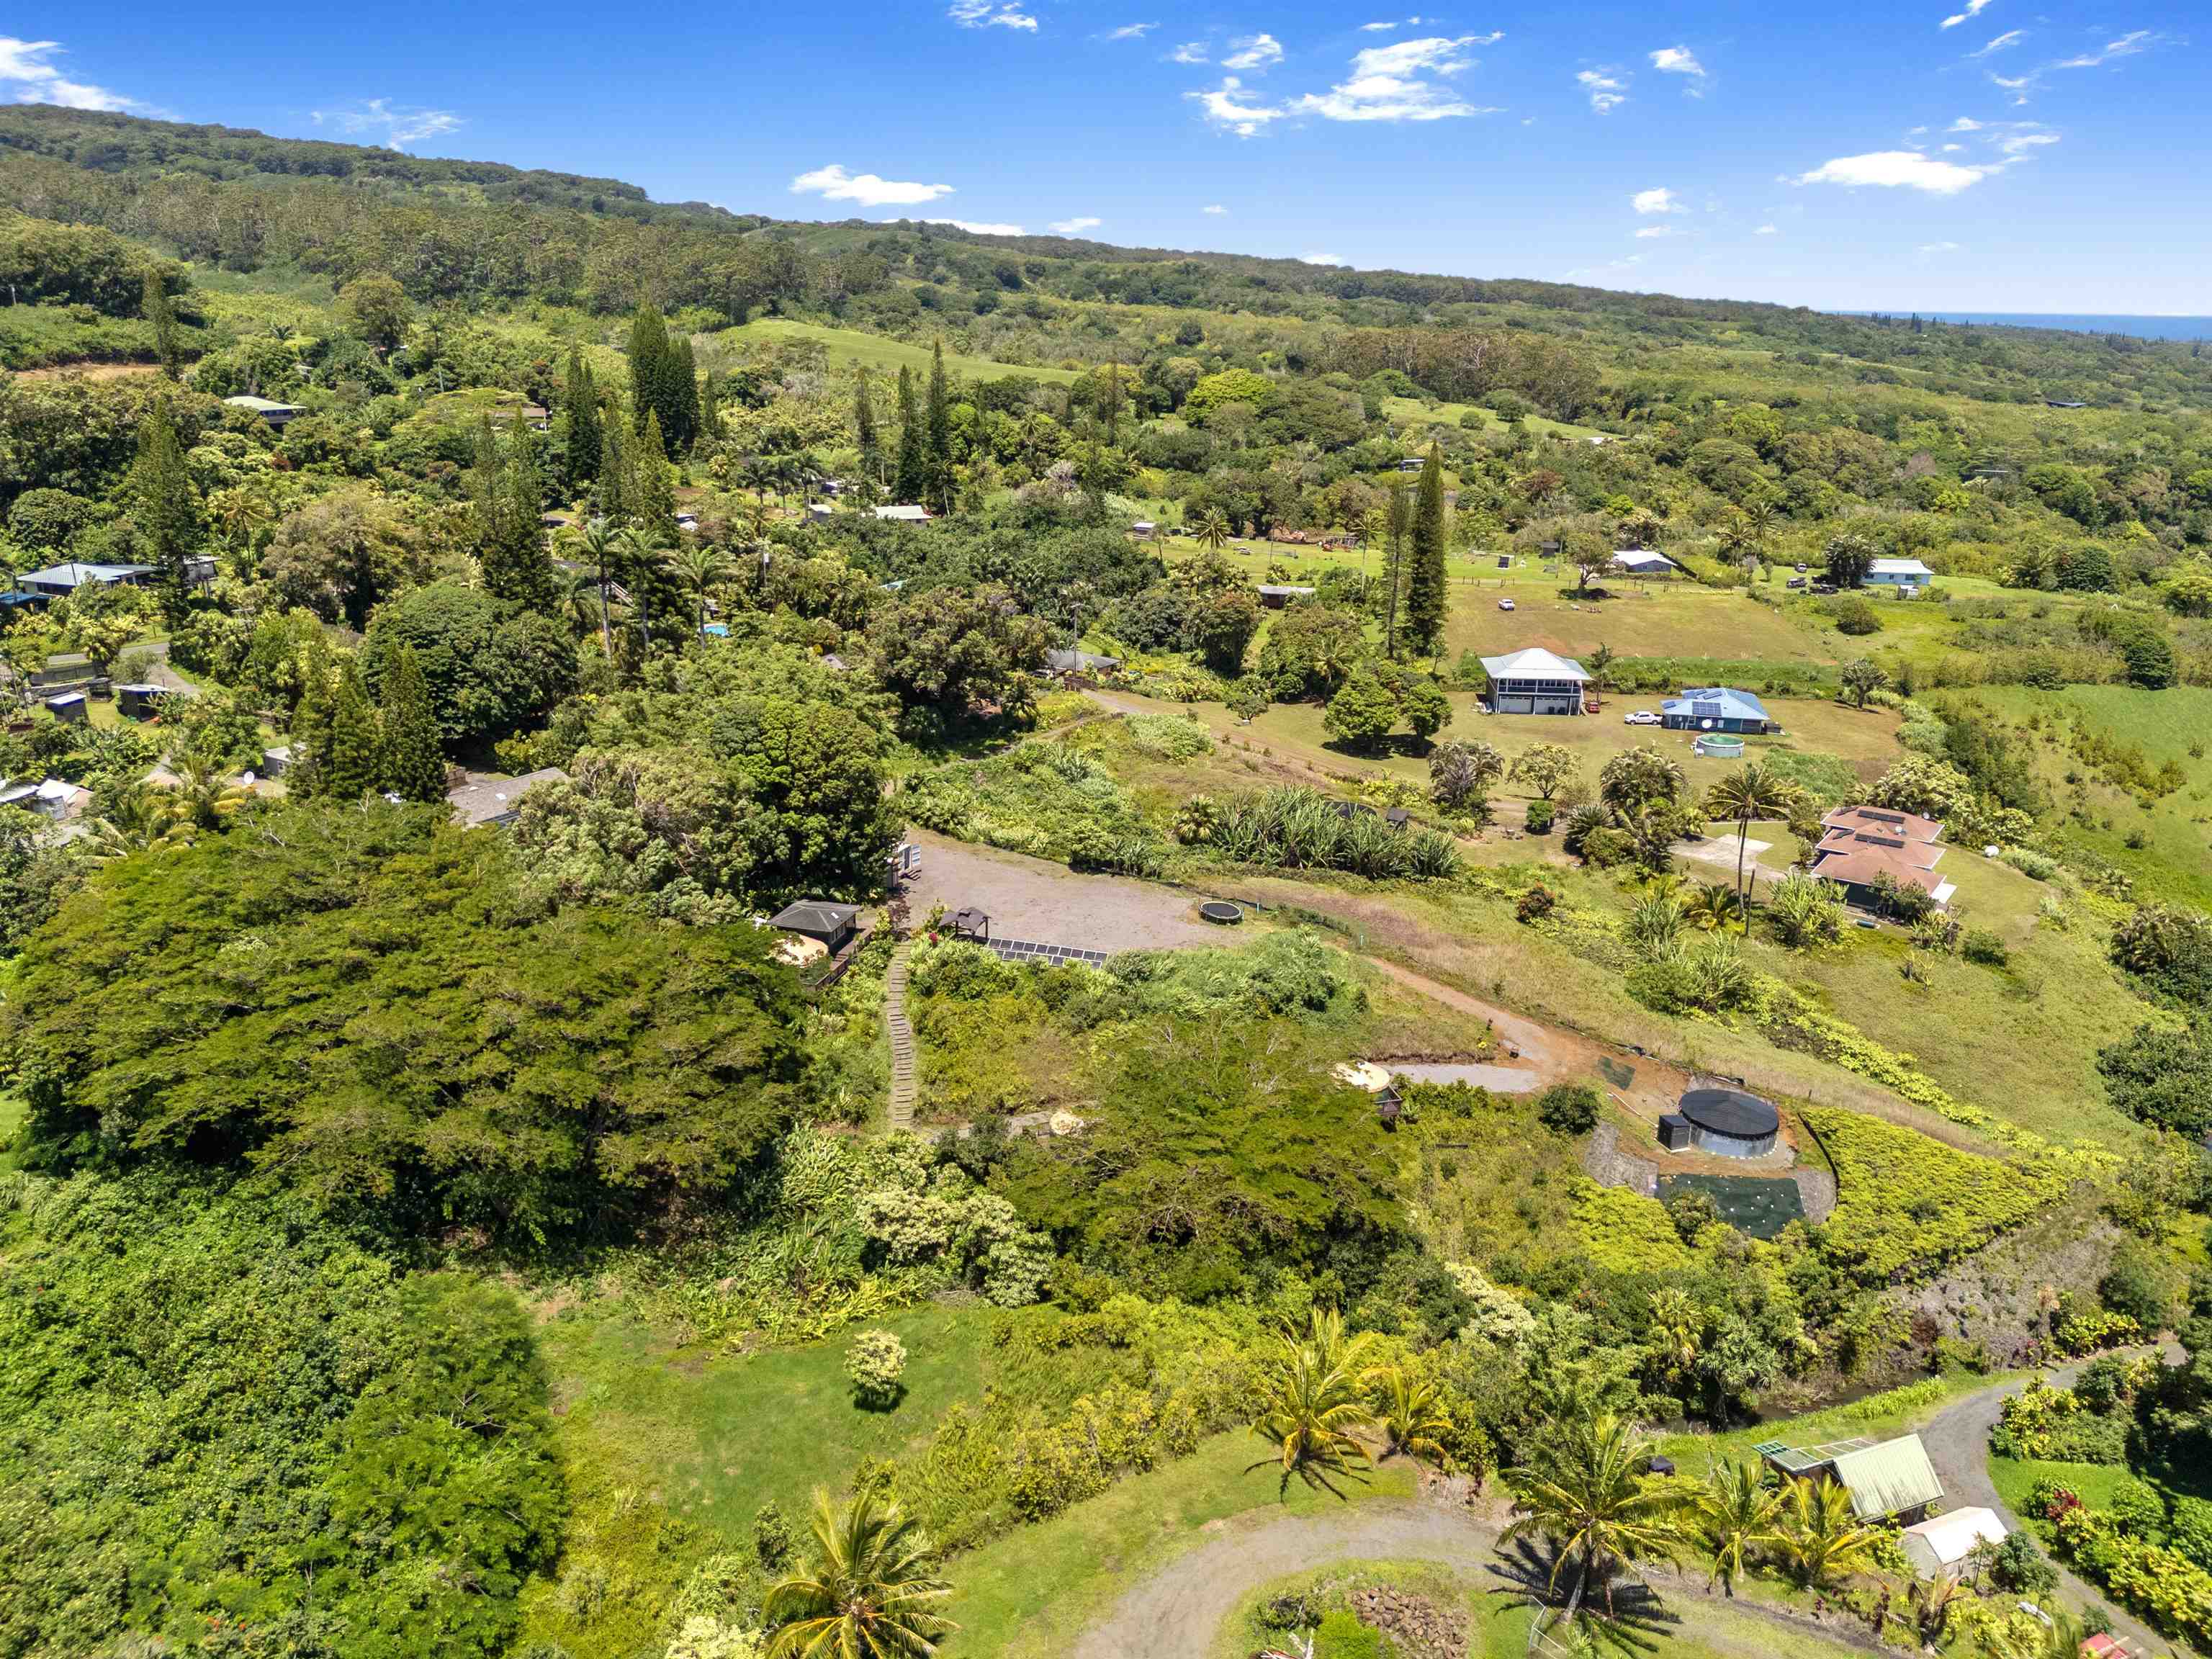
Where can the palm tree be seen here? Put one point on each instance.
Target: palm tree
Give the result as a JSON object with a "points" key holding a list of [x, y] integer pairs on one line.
{"points": [[641, 555], [1214, 529], [579, 599], [1409, 1410], [701, 566], [757, 515], [1589, 1490], [869, 1595], [1313, 1404], [200, 799], [2058, 1635], [1737, 1513], [1755, 794], [1822, 1538], [1712, 907], [595, 540]]}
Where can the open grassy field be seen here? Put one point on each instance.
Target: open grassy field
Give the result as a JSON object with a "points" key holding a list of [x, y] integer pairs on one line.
{"points": [[2165, 848], [1876, 1417], [874, 351], [1412, 414]]}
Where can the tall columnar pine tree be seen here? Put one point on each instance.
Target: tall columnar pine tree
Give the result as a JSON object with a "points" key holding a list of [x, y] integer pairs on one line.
{"points": [[617, 474], [509, 503], [653, 506], [870, 440], [311, 721], [1396, 525], [165, 505], [163, 316], [911, 482], [1427, 587], [938, 457], [581, 406], [352, 761], [413, 764], [663, 380], [680, 395]]}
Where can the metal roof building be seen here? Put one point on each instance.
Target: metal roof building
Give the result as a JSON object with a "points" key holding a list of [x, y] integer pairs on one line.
{"points": [[1714, 708], [1892, 1478]]}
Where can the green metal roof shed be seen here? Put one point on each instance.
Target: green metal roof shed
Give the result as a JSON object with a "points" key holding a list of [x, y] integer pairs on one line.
{"points": [[1889, 1479]]}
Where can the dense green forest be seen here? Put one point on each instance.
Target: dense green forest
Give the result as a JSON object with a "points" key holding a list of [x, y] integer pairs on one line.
{"points": [[418, 1240]]}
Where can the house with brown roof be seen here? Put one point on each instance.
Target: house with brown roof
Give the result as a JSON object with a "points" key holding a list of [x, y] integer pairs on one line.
{"points": [[1860, 845]]}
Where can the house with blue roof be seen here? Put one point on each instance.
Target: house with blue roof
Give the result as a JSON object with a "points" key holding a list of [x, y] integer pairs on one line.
{"points": [[1715, 708]]}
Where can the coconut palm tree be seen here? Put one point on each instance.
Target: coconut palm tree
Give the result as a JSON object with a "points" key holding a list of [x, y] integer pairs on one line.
{"points": [[1588, 1489], [1214, 529], [593, 542], [1313, 1404], [1737, 1512], [200, 799], [869, 1595], [577, 597], [1755, 794], [1822, 1538], [1409, 1410], [701, 566]]}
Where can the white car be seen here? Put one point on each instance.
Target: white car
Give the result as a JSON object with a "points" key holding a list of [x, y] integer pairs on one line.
{"points": [[1505, 605], [1640, 717]]}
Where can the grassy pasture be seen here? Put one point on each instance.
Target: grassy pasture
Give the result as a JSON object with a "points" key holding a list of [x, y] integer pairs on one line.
{"points": [[874, 351]]}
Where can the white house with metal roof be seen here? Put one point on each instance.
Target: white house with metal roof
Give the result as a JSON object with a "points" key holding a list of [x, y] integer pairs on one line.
{"points": [[1907, 576], [1536, 682]]}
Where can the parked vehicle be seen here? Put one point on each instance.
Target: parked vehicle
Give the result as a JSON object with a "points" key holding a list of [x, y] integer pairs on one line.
{"points": [[1505, 605], [1640, 717]]}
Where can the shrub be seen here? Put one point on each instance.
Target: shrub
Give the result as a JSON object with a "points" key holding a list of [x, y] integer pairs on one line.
{"points": [[2139, 1286], [1169, 736], [2020, 1568], [2036, 866], [1984, 946], [1569, 1109], [2192, 1529], [1854, 616], [2170, 947], [1536, 904], [1805, 912], [874, 1364], [1540, 817]]}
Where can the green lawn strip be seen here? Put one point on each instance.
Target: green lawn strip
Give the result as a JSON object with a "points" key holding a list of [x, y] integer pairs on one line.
{"points": [[2094, 1484], [1242, 1633], [1031, 1593], [1877, 1417]]}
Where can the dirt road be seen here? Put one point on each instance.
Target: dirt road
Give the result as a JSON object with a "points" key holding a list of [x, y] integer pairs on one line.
{"points": [[1050, 904]]}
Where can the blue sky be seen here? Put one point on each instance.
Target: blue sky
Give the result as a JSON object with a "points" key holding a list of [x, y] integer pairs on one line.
{"points": [[1952, 155]]}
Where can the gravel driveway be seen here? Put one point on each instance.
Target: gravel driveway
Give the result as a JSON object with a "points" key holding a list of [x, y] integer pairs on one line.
{"points": [[1028, 898]]}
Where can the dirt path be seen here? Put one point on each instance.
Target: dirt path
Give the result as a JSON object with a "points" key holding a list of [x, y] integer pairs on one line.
{"points": [[1958, 1443], [1176, 1614]]}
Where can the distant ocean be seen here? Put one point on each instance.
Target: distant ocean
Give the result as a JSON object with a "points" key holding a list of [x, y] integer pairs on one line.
{"points": [[2146, 328]]}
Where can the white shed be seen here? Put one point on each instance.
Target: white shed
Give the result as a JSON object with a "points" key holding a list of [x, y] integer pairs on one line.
{"points": [[1939, 1545]]}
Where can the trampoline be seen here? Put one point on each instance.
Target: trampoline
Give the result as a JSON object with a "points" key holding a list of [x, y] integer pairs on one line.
{"points": [[1729, 1123], [1221, 912]]}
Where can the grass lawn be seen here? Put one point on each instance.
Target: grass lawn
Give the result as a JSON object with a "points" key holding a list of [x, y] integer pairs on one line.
{"points": [[1031, 1593], [874, 351], [1641, 619], [1412, 414], [670, 1452], [2092, 1483]]}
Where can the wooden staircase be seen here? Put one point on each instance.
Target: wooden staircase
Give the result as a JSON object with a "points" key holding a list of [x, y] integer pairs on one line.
{"points": [[902, 1083]]}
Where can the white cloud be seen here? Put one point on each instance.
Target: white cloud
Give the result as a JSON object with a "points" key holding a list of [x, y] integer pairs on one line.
{"points": [[1607, 91], [1652, 233], [1386, 84], [1131, 32], [1905, 169], [1229, 105], [974, 229], [1677, 60], [990, 13], [401, 125], [2126, 46], [1930, 250], [1215, 210], [834, 184], [24, 67], [1661, 200], [1964, 124], [1190, 51], [2021, 145], [1768, 230], [1076, 225], [1322, 259], [2008, 38], [1258, 51], [1974, 9], [2019, 85]]}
